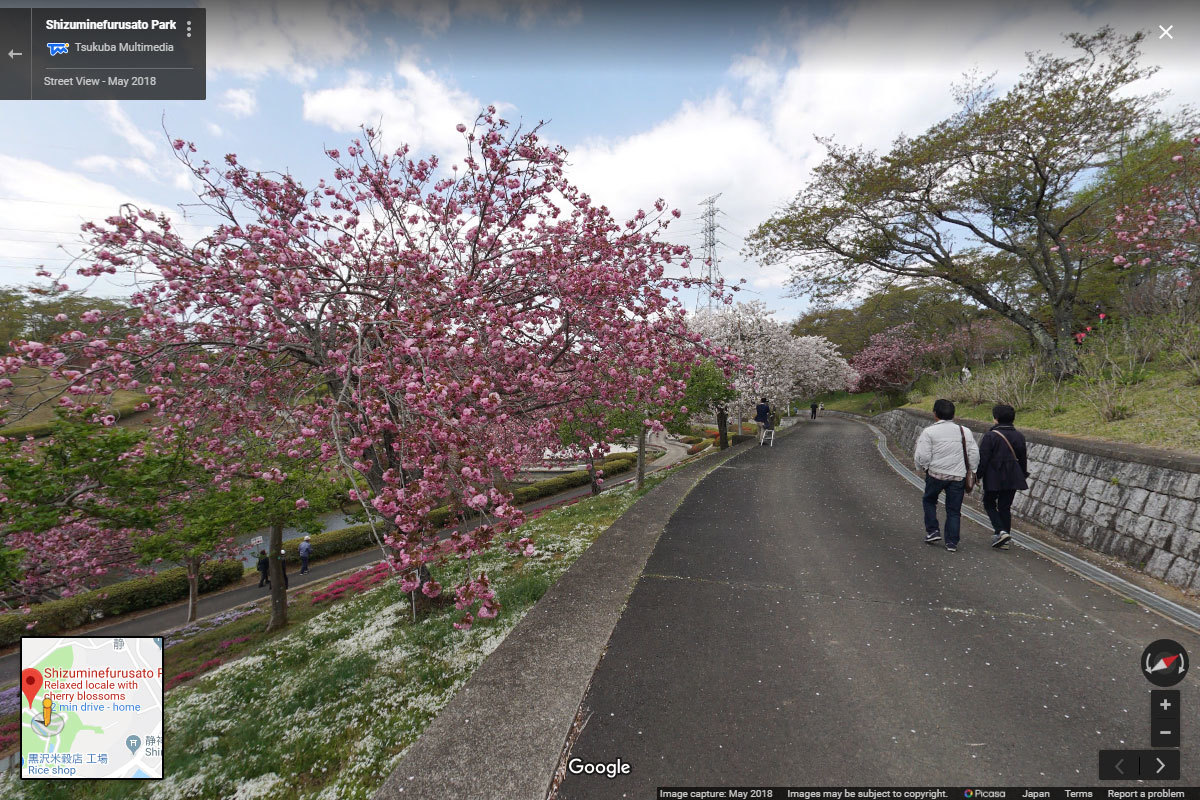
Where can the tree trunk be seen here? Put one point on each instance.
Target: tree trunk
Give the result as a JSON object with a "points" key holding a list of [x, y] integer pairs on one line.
{"points": [[193, 579], [592, 474], [723, 428], [278, 590], [641, 458]]}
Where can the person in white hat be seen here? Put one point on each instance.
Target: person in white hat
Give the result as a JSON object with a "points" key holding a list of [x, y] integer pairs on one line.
{"points": [[305, 552]]}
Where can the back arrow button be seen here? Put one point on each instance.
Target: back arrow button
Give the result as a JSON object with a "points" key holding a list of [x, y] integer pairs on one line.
{"points": [[13, 55]]}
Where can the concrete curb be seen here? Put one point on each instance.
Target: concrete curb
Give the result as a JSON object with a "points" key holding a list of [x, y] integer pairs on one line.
{"points": [[502, 734]]}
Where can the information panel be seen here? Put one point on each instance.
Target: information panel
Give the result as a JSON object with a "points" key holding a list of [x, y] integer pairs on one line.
{"points": [[91, 708], [102, 54]]}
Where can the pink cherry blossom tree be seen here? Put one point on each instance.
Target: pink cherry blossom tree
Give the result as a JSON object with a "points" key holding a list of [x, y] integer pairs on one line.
{"points": [[1160, 235], [893, 360], [426, 327]]}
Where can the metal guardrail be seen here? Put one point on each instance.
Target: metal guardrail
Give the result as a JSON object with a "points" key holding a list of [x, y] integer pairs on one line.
{"points": [[1173, 611]]}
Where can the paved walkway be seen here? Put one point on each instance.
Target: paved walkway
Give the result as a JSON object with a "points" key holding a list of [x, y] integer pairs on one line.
{"points": [[790, 627], [157, 622]]}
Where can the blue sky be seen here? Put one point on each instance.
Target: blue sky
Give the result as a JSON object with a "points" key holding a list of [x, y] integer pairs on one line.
{"points": [[671, 99]]}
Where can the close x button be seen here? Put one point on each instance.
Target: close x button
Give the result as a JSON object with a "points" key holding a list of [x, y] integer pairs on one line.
{"points": [[1129, 765]]}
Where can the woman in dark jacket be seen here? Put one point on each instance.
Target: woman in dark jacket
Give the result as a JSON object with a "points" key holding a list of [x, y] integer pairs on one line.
{"points": [[1003, 468], [264, 569], [762, 415]]}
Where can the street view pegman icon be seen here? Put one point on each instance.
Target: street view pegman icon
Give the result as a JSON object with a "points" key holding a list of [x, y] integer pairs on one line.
{"points": [[1164, 662]]}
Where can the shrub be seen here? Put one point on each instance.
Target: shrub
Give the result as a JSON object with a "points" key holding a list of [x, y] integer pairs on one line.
{"points": [[612, 465], [691, 439], [700, 446], [120, 598], [331, 543]]}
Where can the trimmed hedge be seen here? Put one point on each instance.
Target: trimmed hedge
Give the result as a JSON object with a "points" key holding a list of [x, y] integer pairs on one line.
{"points": [[331, 543], [171, 585], [613, 465], [120, 598], [700, 446], [358, 537], [691, 439]]}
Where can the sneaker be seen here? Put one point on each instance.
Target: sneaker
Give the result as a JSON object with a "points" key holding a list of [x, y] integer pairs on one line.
{"points": [[951, 548], [932, 538], [1000, 540], [1006, 546]]}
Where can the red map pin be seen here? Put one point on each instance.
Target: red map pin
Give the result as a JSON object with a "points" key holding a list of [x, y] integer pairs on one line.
{"points": [[31, 682]]}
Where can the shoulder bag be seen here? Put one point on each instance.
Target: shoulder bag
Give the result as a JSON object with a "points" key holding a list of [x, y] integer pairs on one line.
{"points": [[970, 479]]}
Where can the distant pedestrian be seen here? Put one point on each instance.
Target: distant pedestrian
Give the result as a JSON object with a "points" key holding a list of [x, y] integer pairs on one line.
{"points": [[264, 569], [814, 407], [305, 554], [1003, 468], [820, 407], [947, 454], [965, 375], [762, 416]]}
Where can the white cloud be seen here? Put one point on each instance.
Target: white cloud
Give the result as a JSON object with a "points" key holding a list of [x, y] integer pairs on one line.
{"points": [[297, 38], [214, 129], [103, 163], [415, 107], [292, 39], [870, 73], [705, 148], [240, 102], [46, 205], [125, 127]]}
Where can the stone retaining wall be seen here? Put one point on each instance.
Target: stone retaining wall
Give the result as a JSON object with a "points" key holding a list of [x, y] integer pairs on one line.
{"points": [[1131, 502]]}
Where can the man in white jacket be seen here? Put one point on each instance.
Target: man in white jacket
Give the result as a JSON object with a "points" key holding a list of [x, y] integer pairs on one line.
{"points": [[940, 454]]}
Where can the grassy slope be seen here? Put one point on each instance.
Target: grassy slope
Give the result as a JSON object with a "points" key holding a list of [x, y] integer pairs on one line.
{"points": [[323, 709], [1166, 412], [38, 421]]}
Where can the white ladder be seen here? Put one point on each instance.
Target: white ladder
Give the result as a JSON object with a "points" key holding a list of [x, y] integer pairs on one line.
{"points": [[768, 436]]}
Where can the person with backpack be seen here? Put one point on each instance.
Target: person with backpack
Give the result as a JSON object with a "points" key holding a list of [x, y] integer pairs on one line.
{"points": [[949, 457], [1003, 469]]}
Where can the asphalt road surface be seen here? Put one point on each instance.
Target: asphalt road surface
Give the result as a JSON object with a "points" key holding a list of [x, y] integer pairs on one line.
{"points": [[792, 628]]}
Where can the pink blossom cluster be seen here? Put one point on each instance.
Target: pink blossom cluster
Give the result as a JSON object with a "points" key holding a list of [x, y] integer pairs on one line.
{"points": [[894, 359], [1163, 229], [426, 329]]}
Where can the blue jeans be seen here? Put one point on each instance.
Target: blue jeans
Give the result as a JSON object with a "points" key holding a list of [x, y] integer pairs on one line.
{"points": [[954, 496]]}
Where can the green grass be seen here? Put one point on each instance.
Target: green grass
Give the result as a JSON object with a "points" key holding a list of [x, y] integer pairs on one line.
{"points": [[323, 709], [868, 403], [1165, 407], [30, 390]]}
